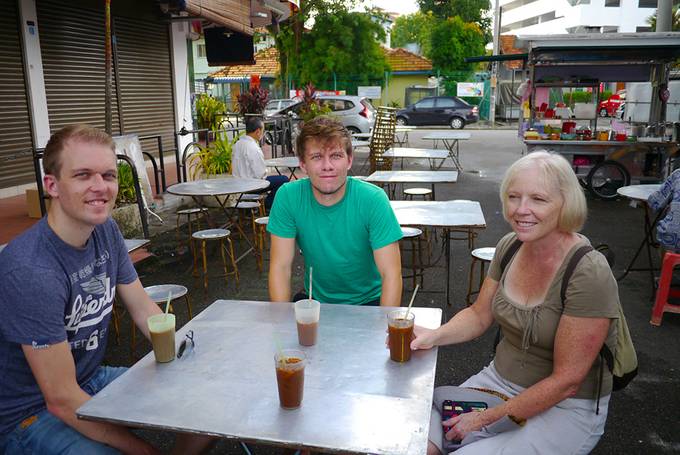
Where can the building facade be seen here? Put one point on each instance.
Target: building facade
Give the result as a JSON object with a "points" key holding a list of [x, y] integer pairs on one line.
{"points": [[549, 17]]}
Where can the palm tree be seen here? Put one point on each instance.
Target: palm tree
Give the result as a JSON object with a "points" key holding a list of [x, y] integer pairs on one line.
{"points": [[675, 23]]}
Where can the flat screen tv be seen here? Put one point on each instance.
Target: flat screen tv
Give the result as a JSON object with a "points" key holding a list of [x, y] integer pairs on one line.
{"points": [[224, 47]]}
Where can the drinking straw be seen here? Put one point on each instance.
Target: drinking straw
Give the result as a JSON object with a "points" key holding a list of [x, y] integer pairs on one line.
{"points": [[167, 305], [311, 283], [413, 297], [282, 356]]}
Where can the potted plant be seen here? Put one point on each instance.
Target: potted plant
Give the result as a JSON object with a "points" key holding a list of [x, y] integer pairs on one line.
{"points": [[126, 212], [209, 111], [213, 160], [311, 107], [253, 101]]}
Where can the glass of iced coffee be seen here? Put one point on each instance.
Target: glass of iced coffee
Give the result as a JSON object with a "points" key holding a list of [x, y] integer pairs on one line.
{"points": [[400, 330], [290, 377], [162, 331], [307, 318]]}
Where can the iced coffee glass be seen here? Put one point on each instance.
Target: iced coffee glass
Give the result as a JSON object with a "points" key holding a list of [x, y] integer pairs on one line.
{"points": [[162, 331], [290, 377], [400, 329], [307, 318]]}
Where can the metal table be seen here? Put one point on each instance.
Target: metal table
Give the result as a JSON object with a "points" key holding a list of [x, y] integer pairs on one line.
{"points": [[428, 177], [447, 215], [135, 244], [403, 138], [362, 136], [424, 154], [356, 144], [640, 193], [356, 400], [221, 187], [290, 162], [451, 140]]}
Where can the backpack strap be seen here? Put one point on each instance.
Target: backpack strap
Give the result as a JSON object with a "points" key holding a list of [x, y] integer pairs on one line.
{"points": [[509, 253], [569, 271]]}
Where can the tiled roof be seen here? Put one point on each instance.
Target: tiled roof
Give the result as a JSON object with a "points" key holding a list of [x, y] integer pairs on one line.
{"points": [[402, 60], [508, 47], [266, 64]]}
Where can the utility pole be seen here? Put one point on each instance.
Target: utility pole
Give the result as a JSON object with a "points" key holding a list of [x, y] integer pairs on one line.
{"points": [[494, 65], [664, 16]]}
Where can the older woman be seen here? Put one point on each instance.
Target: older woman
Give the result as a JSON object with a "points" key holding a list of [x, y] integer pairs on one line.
{"points": [[546, 366]]}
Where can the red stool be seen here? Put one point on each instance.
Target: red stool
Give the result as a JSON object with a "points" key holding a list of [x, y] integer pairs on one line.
{"points": [[661, 306]]}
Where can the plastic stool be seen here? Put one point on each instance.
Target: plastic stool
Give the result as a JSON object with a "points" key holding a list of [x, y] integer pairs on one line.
{"points": [[413, 234], [425, 193], [215, 234], [661, 305], [481, 255]]}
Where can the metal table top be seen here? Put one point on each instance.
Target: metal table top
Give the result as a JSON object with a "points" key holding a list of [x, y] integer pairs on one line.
{"points": [[356, 144], [285, 161], [413, 177], [408, 152], [448, 214], [226, 385], [638, 192], [217, 187], [135, 244], [362, 135], [402, 128], [447, 135]]}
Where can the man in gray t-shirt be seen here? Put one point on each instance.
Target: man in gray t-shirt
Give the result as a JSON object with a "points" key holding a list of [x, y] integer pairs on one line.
{"points": [[57, 286]]}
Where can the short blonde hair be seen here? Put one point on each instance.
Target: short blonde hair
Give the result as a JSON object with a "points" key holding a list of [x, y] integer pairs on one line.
{"points": [[60, 140], [555, 171]]}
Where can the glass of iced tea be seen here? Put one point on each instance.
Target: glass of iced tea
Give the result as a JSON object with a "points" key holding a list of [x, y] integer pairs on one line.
{"points": [[290, 377], [400, 330]]}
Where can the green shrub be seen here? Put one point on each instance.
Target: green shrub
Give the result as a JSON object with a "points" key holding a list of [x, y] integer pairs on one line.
{"points": [[208, 110], [126, 185]]}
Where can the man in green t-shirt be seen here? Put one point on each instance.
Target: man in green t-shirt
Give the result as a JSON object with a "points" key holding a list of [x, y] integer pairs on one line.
{"points": [[345, 227]]}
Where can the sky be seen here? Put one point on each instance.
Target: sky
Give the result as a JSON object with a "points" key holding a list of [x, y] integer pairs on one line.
{"points": [[396, 6]]}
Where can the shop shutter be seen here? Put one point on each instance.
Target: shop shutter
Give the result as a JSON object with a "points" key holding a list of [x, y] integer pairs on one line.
{"points": [[72, 47], [15, 126], [145, 72]]}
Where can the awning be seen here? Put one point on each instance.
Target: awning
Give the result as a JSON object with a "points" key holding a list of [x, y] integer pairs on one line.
{"points": [[496, 58], [233, 14]]}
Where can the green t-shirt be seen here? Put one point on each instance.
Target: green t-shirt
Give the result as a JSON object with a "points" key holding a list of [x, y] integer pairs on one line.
{"points": [[338, 241]]}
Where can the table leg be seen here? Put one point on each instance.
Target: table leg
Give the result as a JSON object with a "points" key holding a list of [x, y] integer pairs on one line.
{"points": [[447, 252], [292, 173], [433, 195], [647, 242]]}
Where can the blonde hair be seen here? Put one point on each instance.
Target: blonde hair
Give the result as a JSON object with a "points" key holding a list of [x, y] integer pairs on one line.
{"points": [[555, 171], [77, 132]]}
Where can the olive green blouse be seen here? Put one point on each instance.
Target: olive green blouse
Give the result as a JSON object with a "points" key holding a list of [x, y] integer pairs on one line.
{"points": [[524, 355]]}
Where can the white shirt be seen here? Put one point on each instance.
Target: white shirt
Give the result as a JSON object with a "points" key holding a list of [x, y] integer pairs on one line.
{"points": [[247, 159]]}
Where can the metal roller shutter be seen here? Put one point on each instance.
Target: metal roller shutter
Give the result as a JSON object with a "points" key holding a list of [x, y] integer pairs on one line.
{"points": [[145, 78], [72, 48], [15, 133]]}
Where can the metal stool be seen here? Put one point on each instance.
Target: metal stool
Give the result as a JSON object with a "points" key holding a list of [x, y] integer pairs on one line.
{"points": [[413, 235], [425, 193], [261, 238], [195, 212], [214, 234], [481, 255], [256, 209]]}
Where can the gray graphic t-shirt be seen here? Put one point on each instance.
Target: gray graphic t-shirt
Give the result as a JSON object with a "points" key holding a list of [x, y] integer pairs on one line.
{"points": [[51, 292]]}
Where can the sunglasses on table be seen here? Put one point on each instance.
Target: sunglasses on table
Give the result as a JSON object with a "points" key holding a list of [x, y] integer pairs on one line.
{"points": [[188, 341]]}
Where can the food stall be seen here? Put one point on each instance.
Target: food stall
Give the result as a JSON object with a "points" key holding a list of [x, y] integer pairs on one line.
{"points": [[613, 153]]}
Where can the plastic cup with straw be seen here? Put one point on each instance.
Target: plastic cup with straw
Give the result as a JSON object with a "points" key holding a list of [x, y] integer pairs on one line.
{"points": [[162, 332], [413, 297], [400, 330], [307, 312], [167, 304]]}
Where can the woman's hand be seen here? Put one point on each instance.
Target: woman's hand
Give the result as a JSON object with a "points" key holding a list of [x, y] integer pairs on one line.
{"points": [[423, 338], [463, 424]]}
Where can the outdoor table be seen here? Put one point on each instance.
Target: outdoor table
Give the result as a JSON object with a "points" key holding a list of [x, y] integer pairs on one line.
{"points": [[428, 177], [356, 400], [221, 187], [361, 136], [356, 144], [135, 244], [290, 162], [426, 154], [640, 193], [451, 140], [404, 130], [447, 215]]}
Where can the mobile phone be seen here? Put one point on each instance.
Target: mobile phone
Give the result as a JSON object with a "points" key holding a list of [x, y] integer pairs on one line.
{"points": [[452, 408]]}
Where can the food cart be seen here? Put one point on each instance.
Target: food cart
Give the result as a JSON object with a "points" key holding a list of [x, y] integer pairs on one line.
{"points": [[604, 157]]}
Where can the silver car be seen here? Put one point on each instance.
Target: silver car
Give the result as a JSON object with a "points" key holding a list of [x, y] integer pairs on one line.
{"points": [[355, 112], [276, 105]]}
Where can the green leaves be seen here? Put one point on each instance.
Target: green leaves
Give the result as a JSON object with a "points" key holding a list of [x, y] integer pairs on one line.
{"points": [[208, 111], [253, 101], [214, 159], [126, 185]]}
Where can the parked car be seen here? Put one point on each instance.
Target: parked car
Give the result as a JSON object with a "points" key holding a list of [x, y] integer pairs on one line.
{"points": [[608, 107], [439, 110], [276, 105], [355, 112]]}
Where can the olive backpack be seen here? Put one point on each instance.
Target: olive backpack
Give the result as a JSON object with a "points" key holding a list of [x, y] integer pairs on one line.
{"points": [[622, 363]]}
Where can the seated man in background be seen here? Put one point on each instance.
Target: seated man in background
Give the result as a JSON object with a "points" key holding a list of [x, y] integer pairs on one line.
{"points": [[58, 281], [345, 227], [247, 159]]}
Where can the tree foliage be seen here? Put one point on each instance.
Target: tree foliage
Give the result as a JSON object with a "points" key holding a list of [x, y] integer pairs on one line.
{"points": [[468, 10], [340, 44], [452, 40], [413, 28]]}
